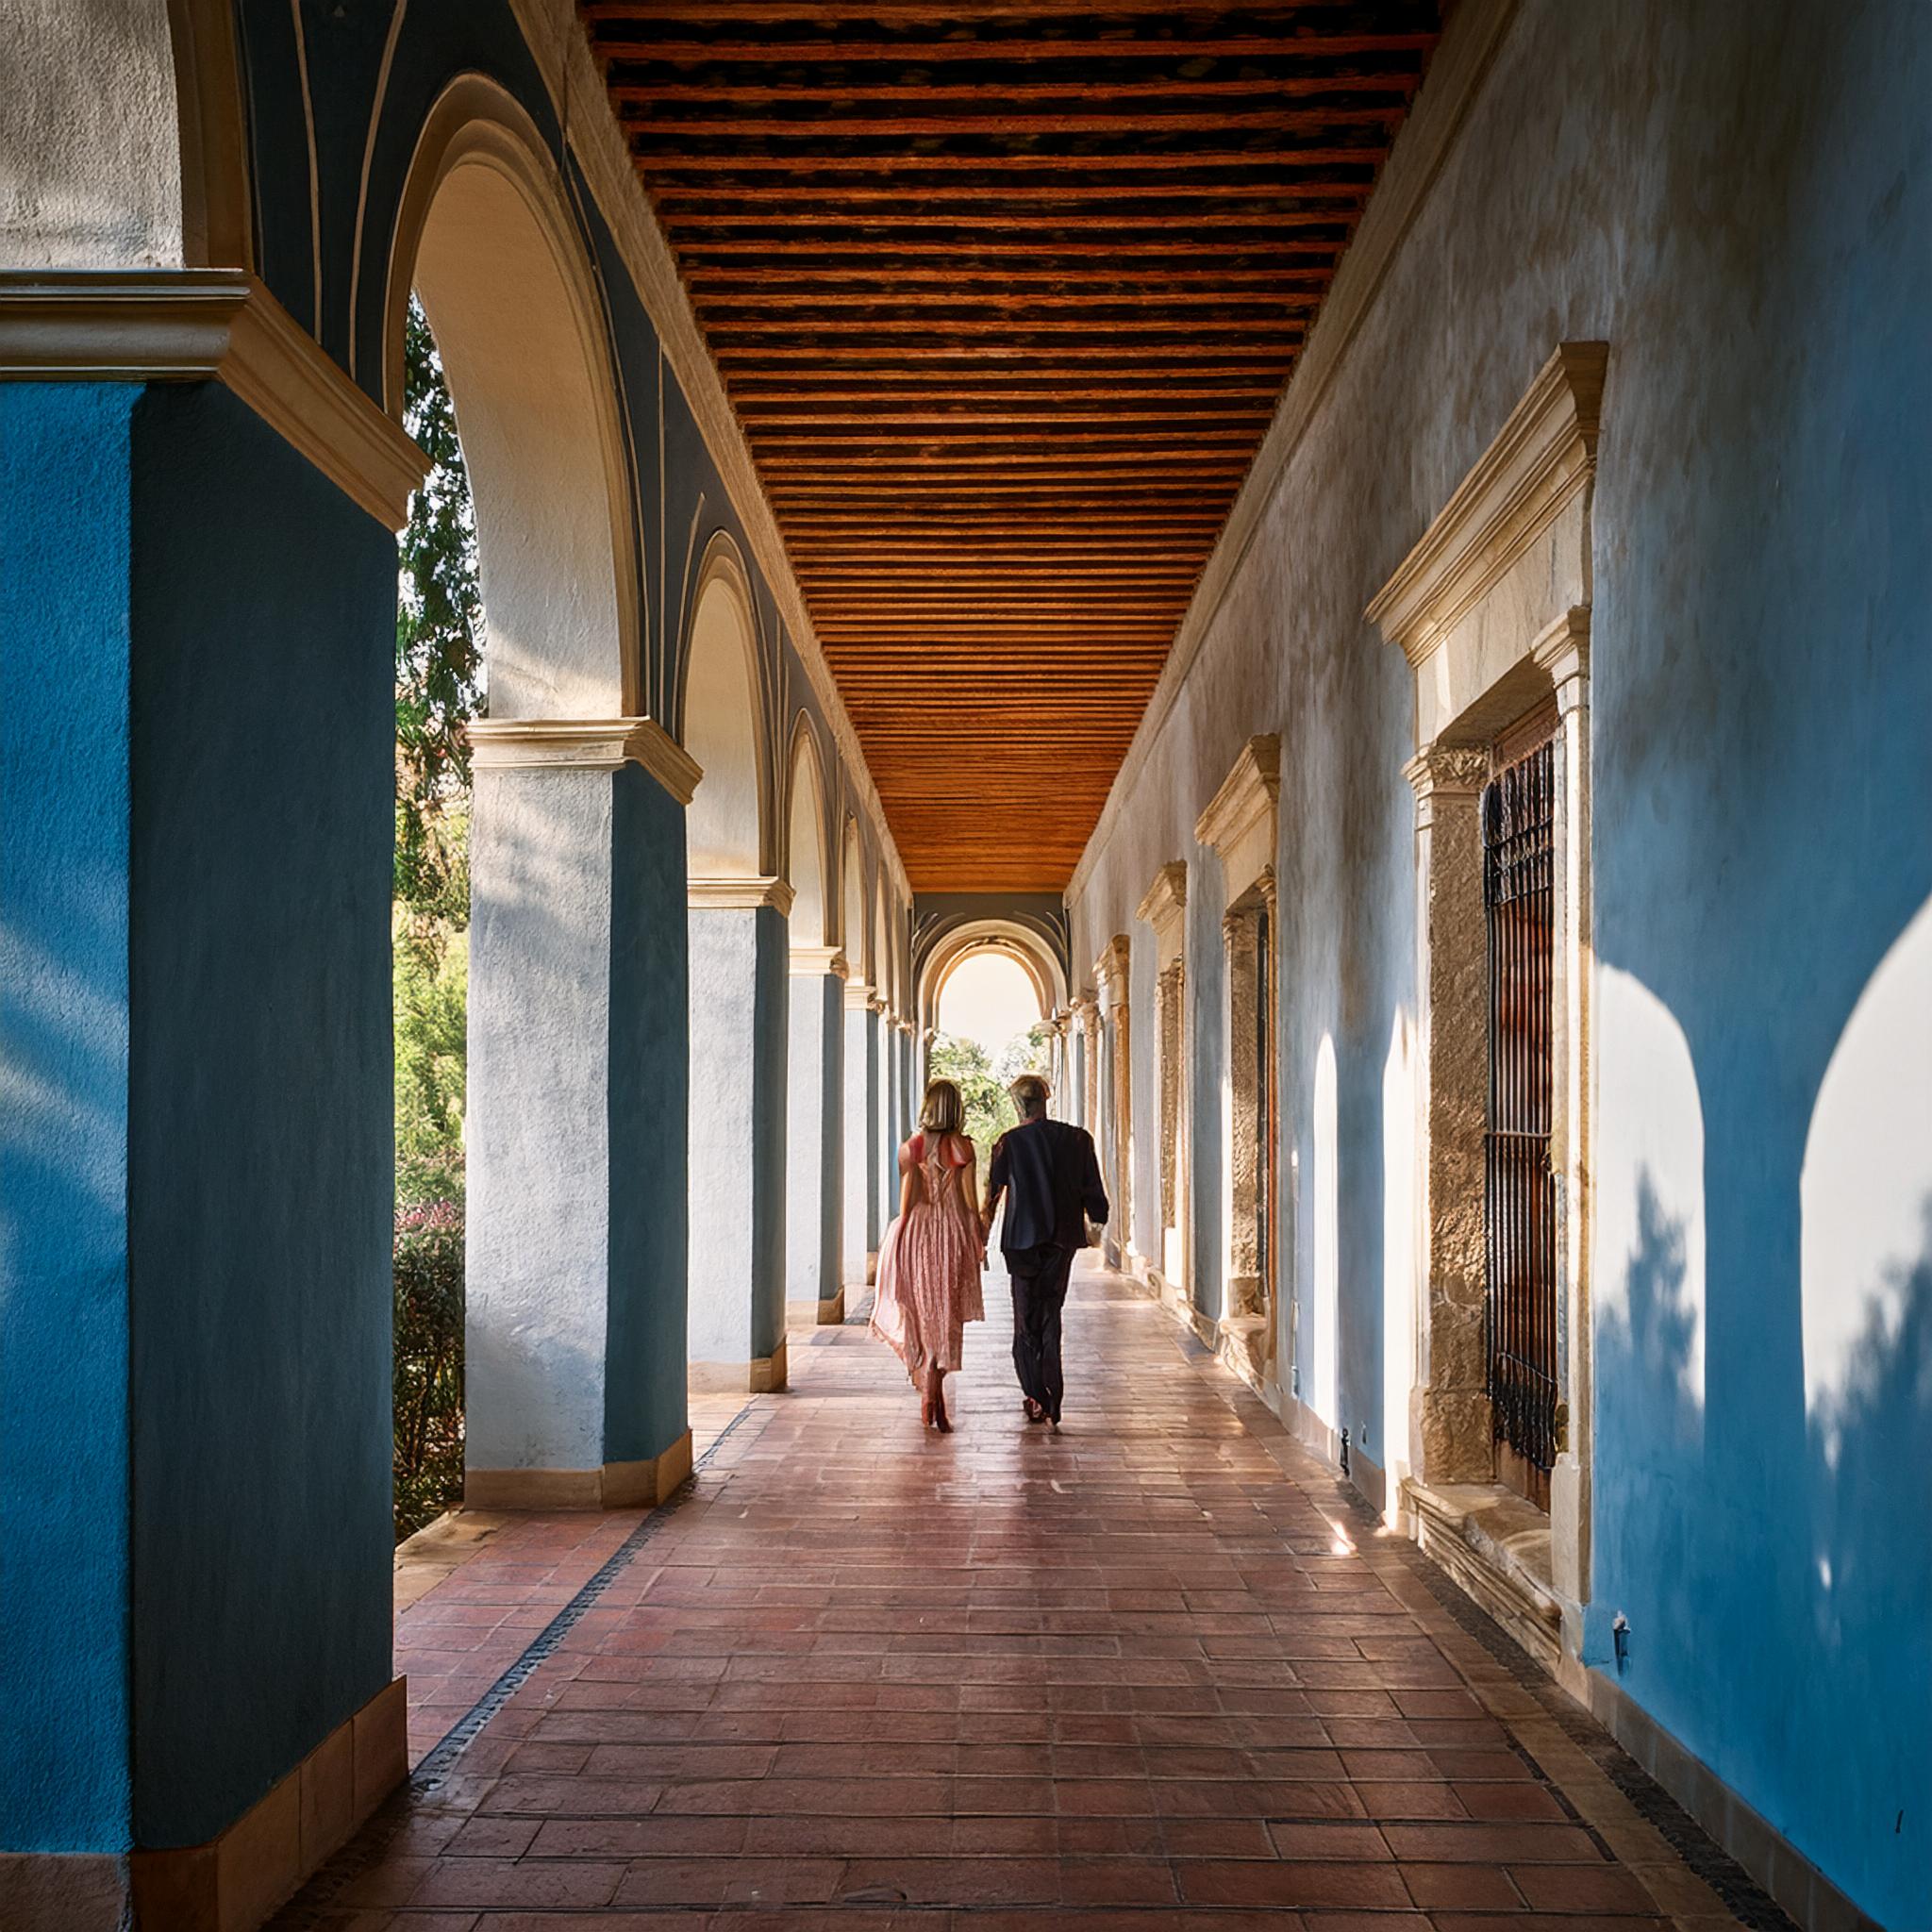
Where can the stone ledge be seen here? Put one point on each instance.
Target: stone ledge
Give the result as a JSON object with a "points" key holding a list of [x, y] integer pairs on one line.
{"points": [[1495, 1548]]}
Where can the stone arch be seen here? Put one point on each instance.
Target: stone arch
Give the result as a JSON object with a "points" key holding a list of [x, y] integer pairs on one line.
{"points": [[809, 857], [485, 237], [852, 925], [881, 938], [1007, 937], [721, 720]]}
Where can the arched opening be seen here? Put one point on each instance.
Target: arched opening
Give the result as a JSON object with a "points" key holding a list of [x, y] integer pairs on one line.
{"points": [[814, 1164], [557, 1395], [739, 1009], [988, 1002], [862, 1123]]}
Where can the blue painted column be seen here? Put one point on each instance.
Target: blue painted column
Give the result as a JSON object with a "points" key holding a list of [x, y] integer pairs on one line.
{"points": [[861, 1135], [740, 1026], [885, 1197], [577, 1073], [814, 1147], [196, 779]]}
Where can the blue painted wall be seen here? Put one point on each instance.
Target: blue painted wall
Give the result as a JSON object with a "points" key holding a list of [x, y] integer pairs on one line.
{"points": [[65, 1781], [262, 1120], [644, 1398]]}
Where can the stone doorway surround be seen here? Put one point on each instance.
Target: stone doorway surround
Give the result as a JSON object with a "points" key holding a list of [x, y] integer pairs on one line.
{"points": [[1240, 827], [1113, 973], [1492, 609], [1164, 907]]}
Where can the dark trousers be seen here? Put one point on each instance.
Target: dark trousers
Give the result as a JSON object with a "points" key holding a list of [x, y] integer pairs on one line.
{"points": [[1039, 1292]]}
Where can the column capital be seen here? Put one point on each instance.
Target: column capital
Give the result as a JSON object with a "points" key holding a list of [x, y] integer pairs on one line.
{"points": [[201, 323], [1447, 771], [583, 744], [874, 1004], [825, 962], [857, 993], [742, 894], [1562, 653]]}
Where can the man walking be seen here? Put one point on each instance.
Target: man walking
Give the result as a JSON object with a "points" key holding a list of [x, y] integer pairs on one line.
{"points": [[1049, 1172]]}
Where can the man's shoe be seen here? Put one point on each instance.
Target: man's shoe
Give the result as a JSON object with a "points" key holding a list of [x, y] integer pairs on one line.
{"points": [[1035, 1414]]}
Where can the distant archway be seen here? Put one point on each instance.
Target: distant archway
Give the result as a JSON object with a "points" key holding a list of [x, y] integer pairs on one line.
{"points": [[1008, 938]]}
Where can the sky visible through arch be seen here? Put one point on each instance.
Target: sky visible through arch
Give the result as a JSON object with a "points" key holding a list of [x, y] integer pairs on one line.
{"points": [[989, 999]]}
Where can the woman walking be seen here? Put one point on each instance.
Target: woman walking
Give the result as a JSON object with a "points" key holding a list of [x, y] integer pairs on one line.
{"points": [[932, 1254]]}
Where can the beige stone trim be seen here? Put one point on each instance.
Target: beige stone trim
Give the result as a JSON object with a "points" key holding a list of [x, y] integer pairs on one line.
{"points": [[874, 1003], [1111, 968], [1240, 821], [235, 1881], [1456, 71], [819, 962], [764, 1375], [742, 895], [609, 1486], [820, 1314], [858, 994], [585, 744], [1163, 904], [203, 325], [217, 225], [562, 51]]}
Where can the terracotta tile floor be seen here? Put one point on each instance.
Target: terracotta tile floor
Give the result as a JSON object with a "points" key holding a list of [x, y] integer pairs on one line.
{"points": [[1158, 1672]]}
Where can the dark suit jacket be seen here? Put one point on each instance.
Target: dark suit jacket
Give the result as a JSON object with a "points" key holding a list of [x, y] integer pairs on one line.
{"points": [[1052, 1182]]}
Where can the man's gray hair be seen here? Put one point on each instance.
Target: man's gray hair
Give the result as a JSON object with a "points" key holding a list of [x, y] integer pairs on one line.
{"points": [[1030, 1095]]}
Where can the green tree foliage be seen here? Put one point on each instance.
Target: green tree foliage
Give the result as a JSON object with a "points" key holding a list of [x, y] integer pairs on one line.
{"points": [[431, 989], [983, 1082], [439, 645]]}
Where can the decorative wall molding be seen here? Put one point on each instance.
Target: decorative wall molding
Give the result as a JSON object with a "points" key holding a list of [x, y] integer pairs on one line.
{"points": [[1456, 71], [562, 54], [1111, 970], [1164, 905], [584, 744], [819, 962], [742, 894], [1541, 460], [210, 325], [1239, 822]]}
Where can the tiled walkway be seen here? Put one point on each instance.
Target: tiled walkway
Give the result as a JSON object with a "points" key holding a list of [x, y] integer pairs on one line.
{"points": [[1156, 1673]]}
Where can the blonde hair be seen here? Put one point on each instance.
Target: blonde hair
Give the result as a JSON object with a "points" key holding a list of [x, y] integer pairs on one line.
{"points": [[943, 1112]]}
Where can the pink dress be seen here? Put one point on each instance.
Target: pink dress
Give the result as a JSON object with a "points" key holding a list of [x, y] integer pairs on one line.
{"points": [[928, 1274]]}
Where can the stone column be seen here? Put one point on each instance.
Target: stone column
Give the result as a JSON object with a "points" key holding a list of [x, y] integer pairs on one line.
{"points": [[577, 1055], [197, 1168], [1449, 1412], [739, 1022], [885, 1189], [861, 1135], [1564, 655], [814, 1141], [1112, 972], [1080, 1106]]}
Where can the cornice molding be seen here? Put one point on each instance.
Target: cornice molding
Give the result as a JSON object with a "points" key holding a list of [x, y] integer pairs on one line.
{"points": [[1247, 794], [742, 894], [215, 325], [1166, 900], [1447, 771], [1457, 69], [557, 40], [1541, 459], [819, 962], [1112, 969], [585, 744]]}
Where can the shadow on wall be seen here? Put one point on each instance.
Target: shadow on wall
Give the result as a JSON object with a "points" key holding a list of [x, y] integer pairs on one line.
{"points": [[1779, 1588]]}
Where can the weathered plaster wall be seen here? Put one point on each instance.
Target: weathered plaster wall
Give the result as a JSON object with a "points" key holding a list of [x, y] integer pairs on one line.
{"points": [[1736, 200], [89, 175]]}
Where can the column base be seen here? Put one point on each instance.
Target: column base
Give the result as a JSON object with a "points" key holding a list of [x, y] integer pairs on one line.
{"points": [[613, 1486], [763, 1375], [232, 1883], [819, 1313], [1244, 1342]]}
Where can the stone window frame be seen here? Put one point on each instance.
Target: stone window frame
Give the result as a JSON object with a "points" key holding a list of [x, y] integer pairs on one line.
{"points": [[1241, 826], [1113, 975], [1164, 908], [1492, 609]]}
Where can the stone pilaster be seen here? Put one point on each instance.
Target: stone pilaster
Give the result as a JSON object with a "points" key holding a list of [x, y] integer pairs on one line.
{"points": [[814, 1141]]}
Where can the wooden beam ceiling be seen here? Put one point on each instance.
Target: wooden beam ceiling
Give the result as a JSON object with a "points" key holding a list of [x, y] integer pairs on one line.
{"points": [[1005, 294]]}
